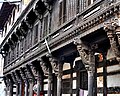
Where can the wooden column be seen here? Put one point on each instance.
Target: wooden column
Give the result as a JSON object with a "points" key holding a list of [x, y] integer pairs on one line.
{"points": [[31, 79], [91, 72], [38, 83], [19, 80], [11, 88], [25, 78], [50, 82], [31, 88], [26, 88], [88, 58], [57, 69], [59, 80]]}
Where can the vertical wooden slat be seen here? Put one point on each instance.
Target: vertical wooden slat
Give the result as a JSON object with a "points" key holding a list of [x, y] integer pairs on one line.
{"points": [[104, 79]]}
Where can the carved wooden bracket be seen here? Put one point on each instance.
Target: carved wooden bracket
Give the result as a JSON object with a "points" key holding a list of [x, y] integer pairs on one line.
{"points": [[23, 75], [13, 77], [112, 28], [86, 54], [29, 73], [40, 16], [34, 70], [18, 77], [44, 67], [54, 63]]}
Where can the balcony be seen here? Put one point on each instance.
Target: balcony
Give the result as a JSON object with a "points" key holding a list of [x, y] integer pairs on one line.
{"points": [[82, 24]]}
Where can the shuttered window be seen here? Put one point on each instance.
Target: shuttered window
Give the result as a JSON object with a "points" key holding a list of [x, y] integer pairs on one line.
{"points": [[62, 12]]}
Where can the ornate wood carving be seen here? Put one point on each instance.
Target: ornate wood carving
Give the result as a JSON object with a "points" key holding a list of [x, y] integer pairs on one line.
{"points": [[83, 51], [13, 77], [86, 54], [44, 67], [54, 63], [23, 75], [29, 73], [40, 16], [112, 29], [34, 70], [18, 77]]}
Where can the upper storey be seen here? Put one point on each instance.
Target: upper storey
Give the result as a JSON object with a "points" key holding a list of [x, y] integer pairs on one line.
{"points": [[55, 21]]}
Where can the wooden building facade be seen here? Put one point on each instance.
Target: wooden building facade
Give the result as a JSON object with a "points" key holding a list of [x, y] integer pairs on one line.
{"points": [[64, 48]]}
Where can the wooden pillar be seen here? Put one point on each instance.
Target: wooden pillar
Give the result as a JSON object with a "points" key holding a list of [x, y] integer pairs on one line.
{"points": [[31, 79], [38, 83], [26, 88], [19, 81], [88, 58], [20, 88], [104, 78], [49, 82], [59, 80], [31, 88], [11, 88]]}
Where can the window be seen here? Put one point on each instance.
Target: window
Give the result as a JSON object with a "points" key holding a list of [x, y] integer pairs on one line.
{"points": [[45, 27], [35, 33], [62, 12]]}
